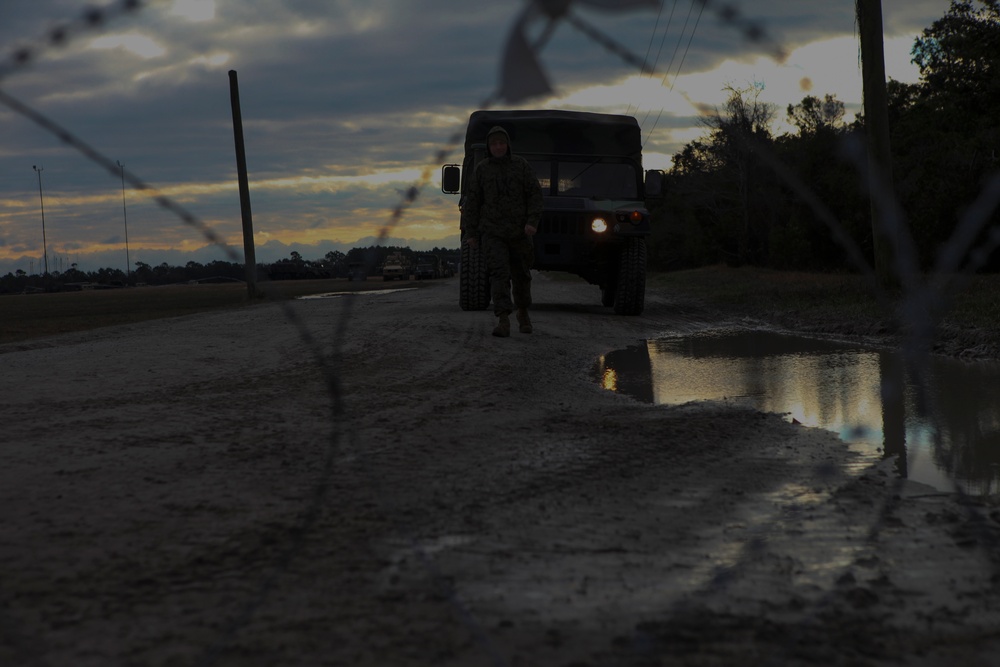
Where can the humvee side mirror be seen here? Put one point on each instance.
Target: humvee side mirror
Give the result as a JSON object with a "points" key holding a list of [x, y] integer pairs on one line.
{"points": [[654, 184], [451, 179]]}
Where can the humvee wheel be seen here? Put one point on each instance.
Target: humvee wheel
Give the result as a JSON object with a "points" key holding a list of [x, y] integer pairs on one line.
{"points": [[473, 279], [630, 295]]}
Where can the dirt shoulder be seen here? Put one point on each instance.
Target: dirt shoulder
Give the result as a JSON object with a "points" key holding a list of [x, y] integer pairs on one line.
{"points": [[374, 479]]}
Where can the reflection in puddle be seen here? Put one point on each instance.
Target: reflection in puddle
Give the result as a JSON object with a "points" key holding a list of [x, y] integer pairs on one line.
{"points": [[831, 385]]}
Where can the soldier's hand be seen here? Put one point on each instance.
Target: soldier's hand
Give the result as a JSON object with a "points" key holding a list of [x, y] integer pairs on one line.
{"points": [[529, 230]]}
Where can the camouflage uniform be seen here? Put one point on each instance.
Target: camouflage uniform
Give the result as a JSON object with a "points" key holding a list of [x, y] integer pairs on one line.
{"points": [[504, 197]]}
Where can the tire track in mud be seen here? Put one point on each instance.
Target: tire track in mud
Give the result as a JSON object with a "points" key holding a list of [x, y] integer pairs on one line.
{"points": [[406, 463], [462, 488], [503, 499]]}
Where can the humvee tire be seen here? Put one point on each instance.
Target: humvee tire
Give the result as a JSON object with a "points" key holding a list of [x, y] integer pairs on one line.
{"points": [[473, 279], [608, 296], [630, 295]]}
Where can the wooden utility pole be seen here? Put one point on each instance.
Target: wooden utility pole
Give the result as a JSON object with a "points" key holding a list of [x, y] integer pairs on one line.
{"points": [[876, 107], [876, 103], [250, 257]]}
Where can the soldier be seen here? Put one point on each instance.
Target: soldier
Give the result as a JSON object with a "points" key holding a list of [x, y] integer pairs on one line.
{"points": [[503, 208]]}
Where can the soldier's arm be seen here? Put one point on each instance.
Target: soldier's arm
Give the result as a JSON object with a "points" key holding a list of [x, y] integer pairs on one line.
{"points": [[533, 197]]}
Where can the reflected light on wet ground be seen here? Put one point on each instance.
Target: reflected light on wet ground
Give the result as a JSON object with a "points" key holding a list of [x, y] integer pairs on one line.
{"points": [[830, 385], [374, 292]]}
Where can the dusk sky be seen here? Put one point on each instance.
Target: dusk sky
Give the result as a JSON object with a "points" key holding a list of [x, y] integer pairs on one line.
{"points": [[346, 103]]}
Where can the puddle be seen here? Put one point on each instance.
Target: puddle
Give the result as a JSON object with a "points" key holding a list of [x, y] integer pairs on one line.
{"points": [[829, 385], [370, 292]]}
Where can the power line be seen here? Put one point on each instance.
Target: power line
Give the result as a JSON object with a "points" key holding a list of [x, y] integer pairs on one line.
{"points": [[679, 66], [649, 47], [680, 39], [664, 38], [652, 36], [693, 30]]}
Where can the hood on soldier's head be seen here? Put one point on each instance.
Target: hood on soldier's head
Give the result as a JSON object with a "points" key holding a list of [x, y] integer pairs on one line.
{"points": [[496, 129]]}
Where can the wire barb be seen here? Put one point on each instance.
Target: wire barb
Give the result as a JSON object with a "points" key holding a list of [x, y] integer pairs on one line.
{"points": [[92, 18]]}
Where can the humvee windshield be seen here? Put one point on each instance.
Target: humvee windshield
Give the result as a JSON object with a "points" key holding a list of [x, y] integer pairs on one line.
{"points": [[587, 178]]}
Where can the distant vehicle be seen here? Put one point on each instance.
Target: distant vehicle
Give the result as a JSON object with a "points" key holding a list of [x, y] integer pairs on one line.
{"points": [[594, 223], [395, 267], [429, 265]]}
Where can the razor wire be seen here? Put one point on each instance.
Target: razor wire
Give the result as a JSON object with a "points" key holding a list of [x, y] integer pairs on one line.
{"points": [[522, 77], [92, 19]]}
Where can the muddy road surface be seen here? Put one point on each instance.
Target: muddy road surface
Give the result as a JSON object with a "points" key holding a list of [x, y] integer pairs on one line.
{"points": [[374, 479]]}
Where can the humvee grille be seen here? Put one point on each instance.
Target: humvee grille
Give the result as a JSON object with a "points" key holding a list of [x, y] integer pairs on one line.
{"points": [[568, 224]]}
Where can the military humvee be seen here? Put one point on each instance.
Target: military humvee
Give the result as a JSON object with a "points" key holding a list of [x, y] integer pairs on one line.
{"points": [[595, 222]]}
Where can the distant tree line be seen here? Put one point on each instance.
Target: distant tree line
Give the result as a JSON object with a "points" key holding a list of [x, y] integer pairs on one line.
{"points": [[334, 264], [725, 204]]}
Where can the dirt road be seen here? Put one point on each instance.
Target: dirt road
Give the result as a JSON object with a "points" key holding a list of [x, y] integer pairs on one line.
{"points": [[374, 479]]}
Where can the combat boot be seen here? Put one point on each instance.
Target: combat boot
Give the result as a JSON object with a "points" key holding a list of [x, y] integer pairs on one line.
{"points": [[523, 320], [502, 329]]}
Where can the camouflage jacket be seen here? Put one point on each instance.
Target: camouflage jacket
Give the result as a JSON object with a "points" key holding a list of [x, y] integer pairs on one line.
{"points": [[503, 197]]}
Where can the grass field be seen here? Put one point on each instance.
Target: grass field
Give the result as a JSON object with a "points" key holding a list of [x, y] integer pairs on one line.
{"points": [[26, 317], [965, 319], [823, 295]]}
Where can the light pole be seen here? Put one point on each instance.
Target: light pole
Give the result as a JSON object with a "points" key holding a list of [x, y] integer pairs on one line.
{"points": [[128, 266], [41, 201]]}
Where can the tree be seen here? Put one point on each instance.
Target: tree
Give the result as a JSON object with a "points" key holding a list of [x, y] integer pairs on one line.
{"points": [[143, 272], [738, 132], [723, 204], [813, 115], [801, 240], [73, 274], [945, 128], [944, 140], [720, 202], [696, 157], [959, 59]]}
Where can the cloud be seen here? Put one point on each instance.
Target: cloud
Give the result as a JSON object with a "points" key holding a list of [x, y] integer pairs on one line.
{"points": [[141, 45], [346, 103], [194, 10]]}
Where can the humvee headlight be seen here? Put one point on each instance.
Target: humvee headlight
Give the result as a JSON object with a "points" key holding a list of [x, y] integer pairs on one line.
{"points": [[599, 225], [635, 217]]}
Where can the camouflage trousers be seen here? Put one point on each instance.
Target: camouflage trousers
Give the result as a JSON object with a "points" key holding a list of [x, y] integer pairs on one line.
{"points": [[509, 262]]}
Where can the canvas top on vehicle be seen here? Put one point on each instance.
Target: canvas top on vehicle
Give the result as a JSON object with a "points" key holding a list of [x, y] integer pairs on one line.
{"points": [[558, 132]]}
